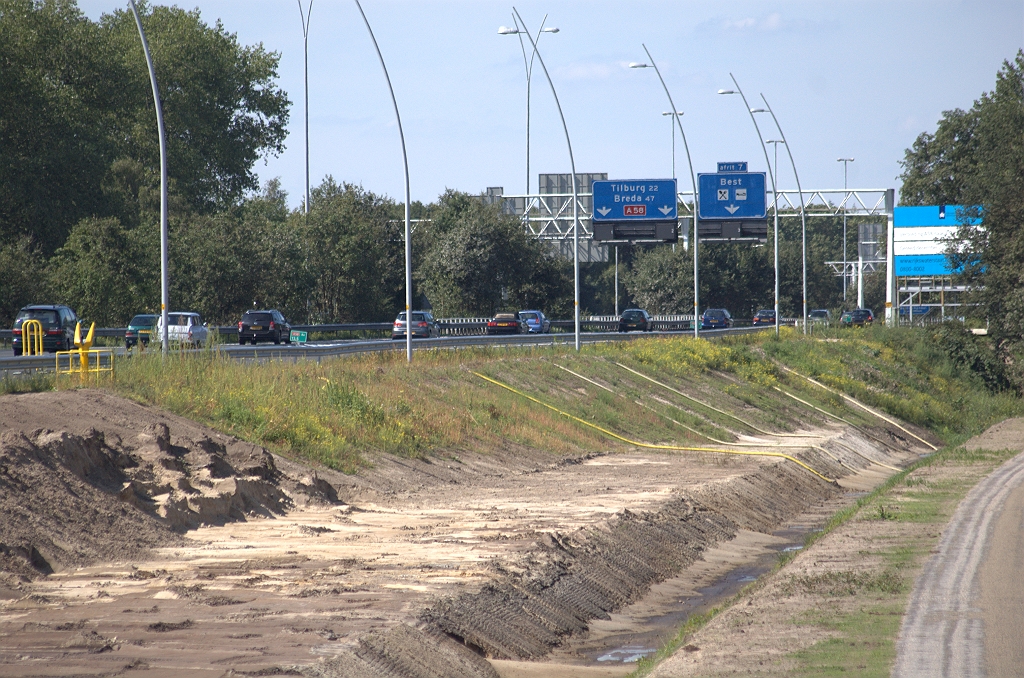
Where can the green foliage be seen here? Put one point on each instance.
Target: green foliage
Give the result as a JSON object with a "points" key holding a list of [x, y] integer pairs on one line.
{"points": [[25, 279], [477, 261], [976, 157]]}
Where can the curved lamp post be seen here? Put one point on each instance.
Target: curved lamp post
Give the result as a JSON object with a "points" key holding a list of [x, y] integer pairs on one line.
{"points": [[305, 72], [693, 182], [575, 200], [803, 216], [164, 285], [846, 163], [672, 128], [775, 192], [408, 202], [504, 30]]}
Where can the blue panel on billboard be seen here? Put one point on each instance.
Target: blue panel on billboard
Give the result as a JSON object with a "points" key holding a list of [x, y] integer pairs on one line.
{"points": [[732, 167], [933, 215], [635, 200], [733, 197], [921, 265]]}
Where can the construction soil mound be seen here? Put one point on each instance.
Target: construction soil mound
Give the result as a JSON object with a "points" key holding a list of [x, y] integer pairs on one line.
{"points": [[238, 560]]}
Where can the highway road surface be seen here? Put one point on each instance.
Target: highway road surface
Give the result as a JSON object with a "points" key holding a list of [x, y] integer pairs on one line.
{"points": [[966, 613]]}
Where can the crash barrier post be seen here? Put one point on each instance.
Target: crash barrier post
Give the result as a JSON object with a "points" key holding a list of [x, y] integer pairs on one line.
{"points": [[31, 337], [89, 360]]}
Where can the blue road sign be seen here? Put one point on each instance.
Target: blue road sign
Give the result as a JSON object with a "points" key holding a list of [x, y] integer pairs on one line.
{"points": [[733, 196], [732, 167], [635, 200]]}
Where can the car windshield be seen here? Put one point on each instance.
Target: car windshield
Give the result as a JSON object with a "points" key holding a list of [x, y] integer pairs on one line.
{"points": [[143, 321], [528, 316], [632, 315], [179, 319], [251, 317], [714, 313], [44, 316], [763, 313], [416, 317], [505, 316], [819, 314]]}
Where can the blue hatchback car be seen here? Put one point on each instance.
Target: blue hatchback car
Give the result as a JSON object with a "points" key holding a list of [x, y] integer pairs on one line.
{"points": [[536, 322], [715, 319]]}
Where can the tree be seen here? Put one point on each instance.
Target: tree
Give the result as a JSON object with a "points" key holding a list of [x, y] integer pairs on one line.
{"points": [[356, 255], [477, 261], [977, 158]]}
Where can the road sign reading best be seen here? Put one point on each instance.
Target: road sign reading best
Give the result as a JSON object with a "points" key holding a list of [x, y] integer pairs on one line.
{"points": [[733, 196], [635, 200]]}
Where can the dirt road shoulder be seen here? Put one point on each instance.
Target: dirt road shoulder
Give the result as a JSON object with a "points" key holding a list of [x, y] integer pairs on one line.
{"points": [[837, 605]]}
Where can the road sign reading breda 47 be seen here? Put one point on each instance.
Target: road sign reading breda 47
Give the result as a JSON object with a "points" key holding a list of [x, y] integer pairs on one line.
{"points": [[635, 200], [733, 196]]}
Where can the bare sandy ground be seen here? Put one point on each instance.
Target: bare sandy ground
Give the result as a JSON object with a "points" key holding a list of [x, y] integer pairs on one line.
{"points": [[166, 548]]}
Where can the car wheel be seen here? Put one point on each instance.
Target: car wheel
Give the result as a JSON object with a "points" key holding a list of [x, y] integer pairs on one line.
{"points": [[17, 351], [253, 340], [277, 340], [241, 340]]}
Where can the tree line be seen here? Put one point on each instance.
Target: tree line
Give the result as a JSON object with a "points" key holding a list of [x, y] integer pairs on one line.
{"points": [[79, 200]]}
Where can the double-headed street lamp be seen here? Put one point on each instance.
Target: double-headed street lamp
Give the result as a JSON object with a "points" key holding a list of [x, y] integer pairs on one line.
{"points": [[846, 163], [528, 63], [572, 164], [775, 191], [693, 181], [304, 15]]}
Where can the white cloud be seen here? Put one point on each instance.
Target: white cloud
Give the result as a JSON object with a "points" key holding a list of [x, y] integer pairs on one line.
{"points": [[772, 22]]}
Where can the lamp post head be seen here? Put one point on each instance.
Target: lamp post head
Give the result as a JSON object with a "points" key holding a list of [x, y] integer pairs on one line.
{"points": [[550, 30], [727, 91], [844, 159], [670, 113], [775, 141], [758, 110], [637, 64], [505, 30]]}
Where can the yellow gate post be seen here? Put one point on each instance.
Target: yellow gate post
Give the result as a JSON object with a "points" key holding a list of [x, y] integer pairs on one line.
{"points": [[84, 346], [31, 329]]}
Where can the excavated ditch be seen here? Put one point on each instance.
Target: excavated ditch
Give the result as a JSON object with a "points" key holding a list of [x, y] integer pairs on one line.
{"points": [[122, 491]]}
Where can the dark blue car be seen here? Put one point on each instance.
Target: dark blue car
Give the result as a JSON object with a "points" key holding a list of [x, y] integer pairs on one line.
{"points": [[715, 319]]}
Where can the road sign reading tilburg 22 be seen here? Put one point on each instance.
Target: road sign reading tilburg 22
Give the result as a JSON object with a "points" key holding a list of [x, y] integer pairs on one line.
{"points": [[733, 196], [635, 200]]}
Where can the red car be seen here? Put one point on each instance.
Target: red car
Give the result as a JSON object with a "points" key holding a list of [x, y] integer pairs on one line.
{"points": [[765, 316]]}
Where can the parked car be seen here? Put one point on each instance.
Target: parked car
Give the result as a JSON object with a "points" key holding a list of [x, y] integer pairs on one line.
{"points": [[635, 319], [716, 318], [423, 326], [820, 315], [505, 323], [184, 328], [140, 329], [264, 326], [536, 322], [58, 327], [857, 317], [765, 316]]}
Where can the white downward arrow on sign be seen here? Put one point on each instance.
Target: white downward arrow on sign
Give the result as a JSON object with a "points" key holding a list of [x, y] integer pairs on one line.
{"points": [[665, 210], [731, 209], [603, 211]]}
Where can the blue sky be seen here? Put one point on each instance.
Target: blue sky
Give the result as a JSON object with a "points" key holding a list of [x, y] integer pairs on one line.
{"points": [[847, 78]]}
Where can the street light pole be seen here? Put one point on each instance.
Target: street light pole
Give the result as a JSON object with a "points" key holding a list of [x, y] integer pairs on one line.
{"points": [[503, 30], [803, 216], [846, 162], [693, 181], [164, 284], [775, 191], [575, 197], [305, 74], [408, 201], [672, 129]]}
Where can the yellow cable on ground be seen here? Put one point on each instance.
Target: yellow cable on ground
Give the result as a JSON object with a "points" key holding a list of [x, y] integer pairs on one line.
{"points": [[715, 409], [845, 421], [725, 442], [650, 445], [862, 406]]}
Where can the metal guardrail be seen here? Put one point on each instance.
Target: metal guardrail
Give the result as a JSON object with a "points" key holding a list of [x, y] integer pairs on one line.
{"points": [[27, 365]]}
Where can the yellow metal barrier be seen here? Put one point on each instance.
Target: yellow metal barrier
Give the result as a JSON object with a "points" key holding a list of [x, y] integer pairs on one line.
{"points": [[31, 337], [89, 359]]}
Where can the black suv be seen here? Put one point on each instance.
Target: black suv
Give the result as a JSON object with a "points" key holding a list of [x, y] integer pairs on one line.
{"points": [[264, 326], [58, 327]]}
